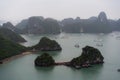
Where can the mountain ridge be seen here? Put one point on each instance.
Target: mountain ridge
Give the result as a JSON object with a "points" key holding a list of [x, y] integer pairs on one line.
{"points": [[41, 25]]}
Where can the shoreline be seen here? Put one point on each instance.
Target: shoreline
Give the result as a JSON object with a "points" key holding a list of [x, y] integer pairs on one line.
{"points": [[15, 57]]}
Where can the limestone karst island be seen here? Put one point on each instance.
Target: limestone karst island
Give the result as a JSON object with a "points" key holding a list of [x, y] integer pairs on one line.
{"points": [[89, 56]]}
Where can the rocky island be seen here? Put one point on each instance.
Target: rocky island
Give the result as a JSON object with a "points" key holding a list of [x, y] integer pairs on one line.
{"points": [[47, 44], [45, 60], [89, 56]]}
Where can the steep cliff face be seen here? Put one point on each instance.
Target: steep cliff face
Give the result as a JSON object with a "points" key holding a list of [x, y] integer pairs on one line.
{"points": [[94, 24], [34, 25], [89, 56], [9, 25], [102, 17], [39, 25], [10, 35], [98, 24]]}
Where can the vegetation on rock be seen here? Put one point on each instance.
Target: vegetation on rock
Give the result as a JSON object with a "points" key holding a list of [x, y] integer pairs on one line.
{"points": [[8, 34], [11, 27], [88, 57], [46, 44], [9, 48], [44, 60]]}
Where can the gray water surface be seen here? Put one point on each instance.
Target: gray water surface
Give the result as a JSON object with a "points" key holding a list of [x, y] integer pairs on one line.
{"points": [[23, 68]]}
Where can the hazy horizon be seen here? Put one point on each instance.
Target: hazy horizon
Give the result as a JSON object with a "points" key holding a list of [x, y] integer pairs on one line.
{"points": [[16, 10]]}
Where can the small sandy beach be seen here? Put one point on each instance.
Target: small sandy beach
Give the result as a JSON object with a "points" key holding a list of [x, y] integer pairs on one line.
{"points": [[15, 57]]}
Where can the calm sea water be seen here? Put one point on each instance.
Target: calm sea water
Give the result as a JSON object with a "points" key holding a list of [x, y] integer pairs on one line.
{"points": [[23, 68]]}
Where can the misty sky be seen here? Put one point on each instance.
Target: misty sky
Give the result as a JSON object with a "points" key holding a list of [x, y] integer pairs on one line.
{"points": [[20, 9]]}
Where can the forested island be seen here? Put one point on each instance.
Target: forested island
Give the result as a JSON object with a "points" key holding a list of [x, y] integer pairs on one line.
{"points": [[46, 44], [44, 60], [9, 42], [9, 47], [89, 57]]}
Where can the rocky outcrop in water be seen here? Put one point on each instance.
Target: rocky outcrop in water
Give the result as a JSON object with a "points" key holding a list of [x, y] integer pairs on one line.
{"points": [[45, 60], [47, 44], [89, 56]]}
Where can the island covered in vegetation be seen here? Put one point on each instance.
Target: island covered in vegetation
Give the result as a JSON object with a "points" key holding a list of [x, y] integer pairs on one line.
{"points": [[10, 48], [47, 44], [89, 56], [44, 60]]}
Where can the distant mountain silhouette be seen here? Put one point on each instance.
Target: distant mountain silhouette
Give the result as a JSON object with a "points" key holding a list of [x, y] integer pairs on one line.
{"points": [[40, 25], [9, 25], [10, 35], [98, 24]]}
